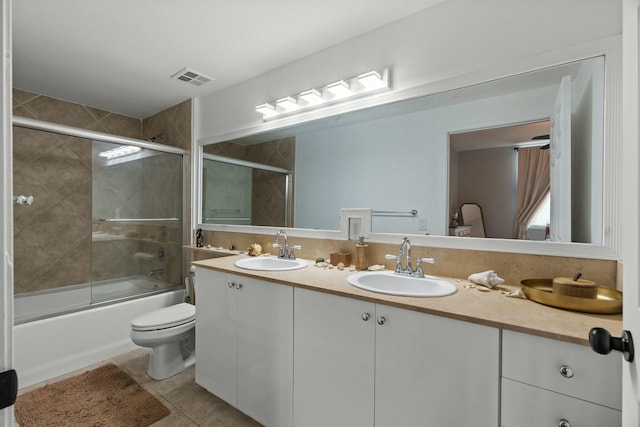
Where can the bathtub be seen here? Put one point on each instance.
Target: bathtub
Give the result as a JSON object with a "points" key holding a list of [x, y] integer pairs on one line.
{"points": [[56, 345], [51, 302]]}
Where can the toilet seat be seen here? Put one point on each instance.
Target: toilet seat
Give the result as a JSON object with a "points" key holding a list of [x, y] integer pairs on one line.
{"points": [[164, 318]]}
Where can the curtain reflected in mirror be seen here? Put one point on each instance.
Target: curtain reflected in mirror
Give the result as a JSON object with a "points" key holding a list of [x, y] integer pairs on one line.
{"points": [[534, 185]]}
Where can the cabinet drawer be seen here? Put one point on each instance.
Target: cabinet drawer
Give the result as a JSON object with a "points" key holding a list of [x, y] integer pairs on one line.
{"points": [[527, 406], [541, 362]]}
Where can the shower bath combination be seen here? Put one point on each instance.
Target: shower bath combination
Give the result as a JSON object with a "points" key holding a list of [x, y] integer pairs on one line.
{"points": [[96, 215]]}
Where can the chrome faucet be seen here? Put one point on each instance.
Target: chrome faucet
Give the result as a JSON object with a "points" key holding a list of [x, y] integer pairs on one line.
{"points": [[405, 252], [285, 251]]}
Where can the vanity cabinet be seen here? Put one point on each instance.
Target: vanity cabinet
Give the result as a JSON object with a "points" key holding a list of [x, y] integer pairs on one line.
{"points": [[362, 364], [244, 344], [547, 382]]}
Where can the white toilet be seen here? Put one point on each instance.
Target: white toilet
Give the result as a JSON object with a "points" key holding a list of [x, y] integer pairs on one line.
{"points": [[170, 333]]}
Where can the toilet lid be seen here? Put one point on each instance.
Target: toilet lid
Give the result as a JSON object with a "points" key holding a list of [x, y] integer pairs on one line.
{"points": [[166, 317]]}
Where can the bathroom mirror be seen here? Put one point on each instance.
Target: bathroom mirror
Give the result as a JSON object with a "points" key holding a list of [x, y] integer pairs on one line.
{"points": [[397, 158]]}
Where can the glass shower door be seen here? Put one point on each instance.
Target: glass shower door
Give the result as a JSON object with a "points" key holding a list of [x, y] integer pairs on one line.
{"points": [[137, 221]]}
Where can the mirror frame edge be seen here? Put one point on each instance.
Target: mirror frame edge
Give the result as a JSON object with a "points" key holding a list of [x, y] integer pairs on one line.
{"points": [[609, 47]]}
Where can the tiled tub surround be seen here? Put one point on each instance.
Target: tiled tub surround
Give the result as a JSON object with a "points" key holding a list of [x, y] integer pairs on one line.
{"points": [[158, 246], [456, 263], [268, 195], [53, 246]]}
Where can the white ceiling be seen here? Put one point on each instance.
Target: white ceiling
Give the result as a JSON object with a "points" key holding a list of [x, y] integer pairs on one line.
{"points": [[118, 55]]}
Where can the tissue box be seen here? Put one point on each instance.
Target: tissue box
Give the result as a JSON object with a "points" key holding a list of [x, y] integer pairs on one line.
{"points": [[343, 257]]}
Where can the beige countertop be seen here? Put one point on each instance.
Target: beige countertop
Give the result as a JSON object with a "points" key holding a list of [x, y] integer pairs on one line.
{"points": [[488, 308]]}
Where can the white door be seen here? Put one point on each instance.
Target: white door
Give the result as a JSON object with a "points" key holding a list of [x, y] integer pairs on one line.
{"points": [[435, 371], [6, 209], [265, 350], [334, 341], [630, 208], [216, 334], [560, 158]]}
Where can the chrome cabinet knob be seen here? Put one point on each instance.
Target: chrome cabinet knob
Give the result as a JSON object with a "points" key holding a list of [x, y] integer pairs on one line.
{"points": [[564, 423], [238, 285], [231, 284], [366, 316], [381, 320], [566, 371]]}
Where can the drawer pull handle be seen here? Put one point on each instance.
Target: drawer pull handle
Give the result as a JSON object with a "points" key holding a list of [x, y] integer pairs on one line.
{"points": [[566, 371], [564, 423]]}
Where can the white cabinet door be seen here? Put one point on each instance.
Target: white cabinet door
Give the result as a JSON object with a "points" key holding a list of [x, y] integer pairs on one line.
{"points": [[216, 334], [244, 344], [435, 371], [265, 351], [334, 360]]}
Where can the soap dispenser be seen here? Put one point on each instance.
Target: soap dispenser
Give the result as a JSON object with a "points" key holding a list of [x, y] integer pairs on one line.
{"points": [[199, 238], [361, 255]]}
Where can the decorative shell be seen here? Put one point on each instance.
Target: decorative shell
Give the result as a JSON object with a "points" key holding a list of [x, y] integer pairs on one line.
{"points": [[254, 249]]}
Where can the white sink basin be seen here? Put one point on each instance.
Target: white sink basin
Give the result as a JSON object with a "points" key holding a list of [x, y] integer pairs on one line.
{"points": [[387, 282], [270, 264]]}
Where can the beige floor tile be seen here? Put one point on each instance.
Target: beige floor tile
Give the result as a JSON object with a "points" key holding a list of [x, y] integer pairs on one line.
{"points": [[164, 387], [195, 401], [175, 419], [229, 417], [135, 364]]}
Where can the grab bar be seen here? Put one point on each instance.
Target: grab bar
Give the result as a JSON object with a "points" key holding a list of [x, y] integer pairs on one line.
{"points": [[412, 212], [137, 219]]}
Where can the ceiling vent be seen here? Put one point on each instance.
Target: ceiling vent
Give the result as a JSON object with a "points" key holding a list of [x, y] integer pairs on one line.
{"points": [[193, 77]]}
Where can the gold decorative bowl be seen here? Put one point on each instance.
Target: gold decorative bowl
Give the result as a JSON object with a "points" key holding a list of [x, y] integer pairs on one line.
{"points": [[607, 301]]}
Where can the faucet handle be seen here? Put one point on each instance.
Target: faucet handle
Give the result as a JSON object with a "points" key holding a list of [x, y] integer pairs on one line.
{"points": [[280, 249], [292, 254], [427, 260], [398, 269]]}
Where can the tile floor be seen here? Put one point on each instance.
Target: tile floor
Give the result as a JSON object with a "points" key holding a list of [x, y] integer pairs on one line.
{"points": [[190, 404]]}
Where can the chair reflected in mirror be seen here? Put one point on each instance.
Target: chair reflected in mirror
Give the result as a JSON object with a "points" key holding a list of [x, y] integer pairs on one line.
{"points": [[472, 215]]}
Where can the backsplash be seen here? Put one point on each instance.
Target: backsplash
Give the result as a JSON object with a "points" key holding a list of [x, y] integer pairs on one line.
{"points": [[456, 263]]}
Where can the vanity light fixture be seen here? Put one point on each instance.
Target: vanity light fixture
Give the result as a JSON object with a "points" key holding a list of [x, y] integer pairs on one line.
{"points": [[288, 103], [266, 109], [339, 91], [371, 80], [119, 152], [311, 97]]}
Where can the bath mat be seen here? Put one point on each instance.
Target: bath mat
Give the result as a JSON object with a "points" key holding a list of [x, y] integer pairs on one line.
{"points": [[103, 397]]}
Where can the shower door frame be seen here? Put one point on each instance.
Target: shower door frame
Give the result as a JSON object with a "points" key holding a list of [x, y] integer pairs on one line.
{"points": [[288, 176], [34, 124]]}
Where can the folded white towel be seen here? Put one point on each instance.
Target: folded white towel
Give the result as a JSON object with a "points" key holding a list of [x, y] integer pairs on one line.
{"points": [[487, 278]]}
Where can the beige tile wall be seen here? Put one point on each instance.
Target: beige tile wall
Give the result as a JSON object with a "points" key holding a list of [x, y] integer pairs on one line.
{"points": [[52, 242], [269, 195], [455, 263]]}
